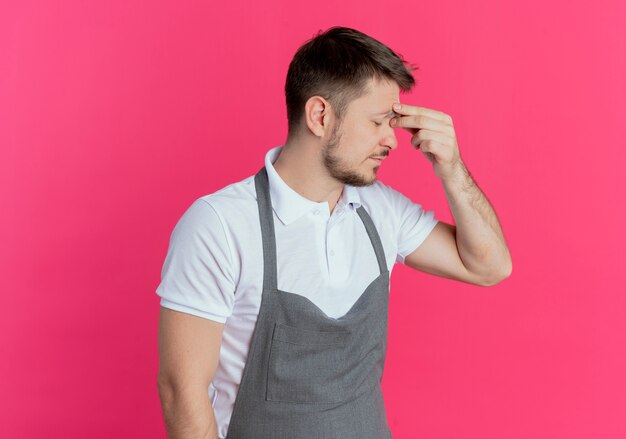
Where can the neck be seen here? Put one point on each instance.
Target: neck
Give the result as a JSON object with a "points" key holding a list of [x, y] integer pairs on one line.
{"points": [[300, 166]]}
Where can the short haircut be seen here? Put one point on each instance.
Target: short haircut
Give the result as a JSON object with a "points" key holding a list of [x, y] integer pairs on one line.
{"points": [[337, 65]]}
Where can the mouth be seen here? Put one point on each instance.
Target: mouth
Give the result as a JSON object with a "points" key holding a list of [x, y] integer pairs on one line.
{"points": [[378, 159]]}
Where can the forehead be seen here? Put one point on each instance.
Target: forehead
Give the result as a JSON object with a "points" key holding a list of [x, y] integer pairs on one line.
{"points": [[380, 95]]}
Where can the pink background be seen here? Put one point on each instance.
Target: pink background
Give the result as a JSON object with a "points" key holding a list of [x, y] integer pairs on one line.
{"points": [[116, 115]]}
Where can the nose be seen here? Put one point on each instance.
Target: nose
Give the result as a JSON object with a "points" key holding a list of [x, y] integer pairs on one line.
{"points": [[390, 140]]}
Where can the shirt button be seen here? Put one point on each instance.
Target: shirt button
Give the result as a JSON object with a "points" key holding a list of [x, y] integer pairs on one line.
{"points": [[332, 253], [317, 212]]}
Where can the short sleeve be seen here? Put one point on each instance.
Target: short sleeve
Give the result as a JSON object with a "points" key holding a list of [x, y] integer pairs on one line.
{"points": [[414, 223], [197, 275]]}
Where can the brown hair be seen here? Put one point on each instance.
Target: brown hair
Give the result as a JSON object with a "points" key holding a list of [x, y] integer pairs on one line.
{"points": [[336, 65]]}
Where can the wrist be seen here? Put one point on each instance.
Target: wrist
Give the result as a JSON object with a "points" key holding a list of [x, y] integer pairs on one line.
{"points": [[458, 176]]}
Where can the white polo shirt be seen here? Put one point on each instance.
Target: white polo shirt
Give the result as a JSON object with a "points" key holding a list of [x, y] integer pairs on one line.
{"points": [[214, 264]]}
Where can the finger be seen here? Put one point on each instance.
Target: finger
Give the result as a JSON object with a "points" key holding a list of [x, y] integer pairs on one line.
{"points": [[419, 122], [423, 135], [412, 110]]}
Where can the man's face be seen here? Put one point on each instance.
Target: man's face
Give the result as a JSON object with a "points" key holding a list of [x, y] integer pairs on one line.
{"points": [[364, 133]]}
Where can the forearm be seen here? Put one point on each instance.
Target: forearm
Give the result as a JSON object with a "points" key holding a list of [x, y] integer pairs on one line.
{"points": [[479, 237], [187, 416]]}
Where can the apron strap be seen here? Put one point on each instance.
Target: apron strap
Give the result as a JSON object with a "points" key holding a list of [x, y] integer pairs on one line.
{"points": [[270, 276], [375, 238]]}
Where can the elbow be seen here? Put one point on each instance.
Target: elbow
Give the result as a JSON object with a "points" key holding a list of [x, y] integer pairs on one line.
{"points": [[170, 394], [166, 391], [187, 412], [498, 276]]}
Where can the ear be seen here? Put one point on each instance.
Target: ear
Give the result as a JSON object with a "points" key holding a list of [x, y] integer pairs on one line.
{"points": [[317, 115]]}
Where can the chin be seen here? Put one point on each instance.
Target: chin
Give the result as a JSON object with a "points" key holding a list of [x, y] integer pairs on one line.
{"points": [[364, 181]]}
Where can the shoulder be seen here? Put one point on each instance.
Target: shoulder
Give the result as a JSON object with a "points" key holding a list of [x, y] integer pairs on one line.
{"points": [[237, 194], [381, 197], [232, 203], [209, 216], [406, 222]]}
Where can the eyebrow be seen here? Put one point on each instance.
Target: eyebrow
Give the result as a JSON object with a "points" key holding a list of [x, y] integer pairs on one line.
{"points": [[387, 114]]}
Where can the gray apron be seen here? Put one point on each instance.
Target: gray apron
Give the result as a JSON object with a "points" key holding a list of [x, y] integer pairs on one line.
{"points": [[308, 375]]}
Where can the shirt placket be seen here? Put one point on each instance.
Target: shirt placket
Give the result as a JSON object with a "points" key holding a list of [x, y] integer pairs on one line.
{"points": [[335, 245]]}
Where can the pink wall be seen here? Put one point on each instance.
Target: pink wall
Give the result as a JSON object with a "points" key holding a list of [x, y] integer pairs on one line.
{"points": [[116, 115]]}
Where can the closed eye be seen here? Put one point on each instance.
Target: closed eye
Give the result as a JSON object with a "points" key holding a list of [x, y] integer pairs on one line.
{"points": [[378, 123]]}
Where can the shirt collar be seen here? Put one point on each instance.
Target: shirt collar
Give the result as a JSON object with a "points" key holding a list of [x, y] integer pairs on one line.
{"points": [[290, 205]]}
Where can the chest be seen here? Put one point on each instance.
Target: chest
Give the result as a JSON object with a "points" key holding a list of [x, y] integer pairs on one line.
{"points": [[329, 261]]}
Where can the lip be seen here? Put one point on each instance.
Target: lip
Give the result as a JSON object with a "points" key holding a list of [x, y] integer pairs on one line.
{"points": [[378, 159]]}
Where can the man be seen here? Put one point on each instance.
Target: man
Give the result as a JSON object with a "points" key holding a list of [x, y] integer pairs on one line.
{"points": [[274, 290]]}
